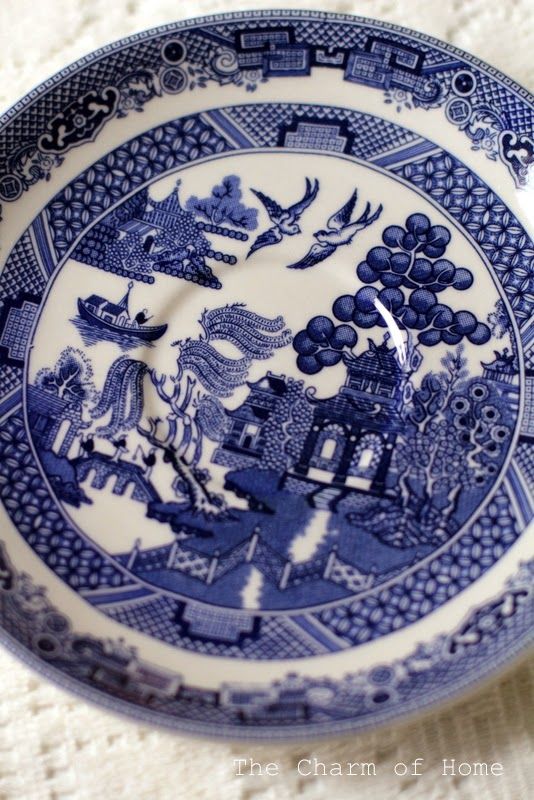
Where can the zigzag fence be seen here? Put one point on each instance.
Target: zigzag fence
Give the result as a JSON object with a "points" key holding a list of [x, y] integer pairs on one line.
{"points": [[276, 568]]}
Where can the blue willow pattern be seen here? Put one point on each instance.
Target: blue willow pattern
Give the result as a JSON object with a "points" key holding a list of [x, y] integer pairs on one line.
{"points": [[410, 268], [96, 668], [411, 72], [376, 455]]}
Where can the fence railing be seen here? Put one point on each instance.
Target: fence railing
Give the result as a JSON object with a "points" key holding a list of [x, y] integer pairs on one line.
{"points": [[276, 568]]}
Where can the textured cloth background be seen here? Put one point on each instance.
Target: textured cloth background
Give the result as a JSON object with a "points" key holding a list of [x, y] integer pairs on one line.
{"points": [[54, 747]]}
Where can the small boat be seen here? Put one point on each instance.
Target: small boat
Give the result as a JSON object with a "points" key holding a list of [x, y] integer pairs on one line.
{"points": [[115, 317]]}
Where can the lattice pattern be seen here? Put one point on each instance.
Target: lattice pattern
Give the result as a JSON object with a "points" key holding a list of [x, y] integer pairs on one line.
{"points": [[199, 48], [348, 576], [307, 571], [528, 355], [157, 617], [19, 321], [527, 423], [500, 99], [191, 563], [269, 562], [10, 378], [232, 560], [40, 523], [372, 135], [523, 456], [28, 125], [494, 532], [21, 272], [154, 616]]}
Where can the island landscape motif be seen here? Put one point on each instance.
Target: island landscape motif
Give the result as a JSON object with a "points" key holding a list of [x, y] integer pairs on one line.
{"points": [[272, 493]]}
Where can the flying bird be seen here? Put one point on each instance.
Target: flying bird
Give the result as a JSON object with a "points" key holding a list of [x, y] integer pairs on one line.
{"points": [[285, 220], [339, 231]]}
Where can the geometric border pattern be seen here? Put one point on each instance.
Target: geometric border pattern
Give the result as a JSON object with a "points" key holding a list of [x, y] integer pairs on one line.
{"points": [[243, 49], [492, 633], [350, 621], [294, 706]]}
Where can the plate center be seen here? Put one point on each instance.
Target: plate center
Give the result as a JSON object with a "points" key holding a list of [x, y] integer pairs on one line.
{"points": [[272, 380]]}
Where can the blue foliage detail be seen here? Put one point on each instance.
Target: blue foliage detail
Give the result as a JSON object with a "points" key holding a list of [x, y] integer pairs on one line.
{"points": [[411, 271], [123, 394], [217, 373], [279, 445], [224, 206], [255, 336]]}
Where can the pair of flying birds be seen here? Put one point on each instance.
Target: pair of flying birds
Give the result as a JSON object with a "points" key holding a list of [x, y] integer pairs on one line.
{"points": [[340, 230]]}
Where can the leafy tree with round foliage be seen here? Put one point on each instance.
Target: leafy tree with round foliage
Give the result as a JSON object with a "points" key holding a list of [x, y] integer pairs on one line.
{"points": [[224, 206], [452, 444], [70, 379], [453, 441], [404, 277]]}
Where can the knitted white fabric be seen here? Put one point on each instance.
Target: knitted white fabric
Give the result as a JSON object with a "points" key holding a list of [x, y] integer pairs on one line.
{"points": [[55, 747]]}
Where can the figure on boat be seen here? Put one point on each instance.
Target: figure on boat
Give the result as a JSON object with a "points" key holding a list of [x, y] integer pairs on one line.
{"points": [[115, 317]]}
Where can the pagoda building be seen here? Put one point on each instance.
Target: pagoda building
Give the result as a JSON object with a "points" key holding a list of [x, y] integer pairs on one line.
{"points": [[244, 441], [502, 369], [54, 421], [351, 440], [151, 219]]}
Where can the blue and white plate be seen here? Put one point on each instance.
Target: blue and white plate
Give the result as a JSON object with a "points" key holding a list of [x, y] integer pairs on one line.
{"points": [[267, 373]]}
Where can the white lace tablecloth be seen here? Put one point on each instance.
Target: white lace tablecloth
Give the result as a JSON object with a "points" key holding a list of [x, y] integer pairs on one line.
{"points": [[55, 747]]}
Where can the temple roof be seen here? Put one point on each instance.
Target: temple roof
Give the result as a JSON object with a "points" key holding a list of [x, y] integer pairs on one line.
{"points": [[137, 226], [274, 384], [113, 308], [377, 359], [170, 205], [248, 412], [370, 411], [503, 362]]}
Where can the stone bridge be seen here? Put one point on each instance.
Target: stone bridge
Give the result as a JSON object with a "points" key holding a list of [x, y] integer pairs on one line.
{"points": [[126, 478]]}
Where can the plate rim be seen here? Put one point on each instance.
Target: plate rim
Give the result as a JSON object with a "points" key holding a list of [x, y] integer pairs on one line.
{"points": [[254, 733], [54, 78], [447, 695]]}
